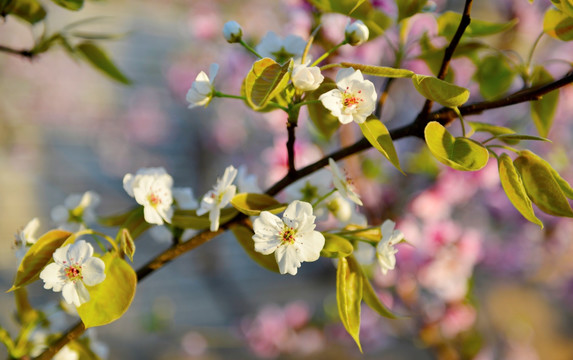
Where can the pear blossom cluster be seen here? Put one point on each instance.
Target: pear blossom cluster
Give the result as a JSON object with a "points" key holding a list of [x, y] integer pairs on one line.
{"points": [[152, 188]]}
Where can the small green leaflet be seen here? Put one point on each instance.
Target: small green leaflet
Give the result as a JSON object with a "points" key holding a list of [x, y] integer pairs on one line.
{"points": [[99, 59], [440, 91], [377, 134]]}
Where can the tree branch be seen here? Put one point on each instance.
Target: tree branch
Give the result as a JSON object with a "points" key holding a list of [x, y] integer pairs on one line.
{"points": [[449, 53], [25, 53]]}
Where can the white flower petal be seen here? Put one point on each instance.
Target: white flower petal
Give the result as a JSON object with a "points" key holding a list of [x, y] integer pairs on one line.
{"points": [[310, 246], [297, 209], [287, 259], [61, 255], [214, 216], [93, 271], [79, 252], [213, 70], [54, 277], [70, 293], [152, 216]]}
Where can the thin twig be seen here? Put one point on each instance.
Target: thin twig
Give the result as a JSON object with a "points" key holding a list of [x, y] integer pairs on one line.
{"points": [[449, 53], [25, 53]]}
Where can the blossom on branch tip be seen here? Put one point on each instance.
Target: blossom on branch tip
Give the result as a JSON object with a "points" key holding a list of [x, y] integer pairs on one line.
{"points": [[281, 50], [26, 237], [306, 78], [343, 184], [202, 89], [354, 99], [77, 210], [385, 250], [356, 33], [232, 31], [219, 197], [72, 269], [292, 238], [151, 187]]}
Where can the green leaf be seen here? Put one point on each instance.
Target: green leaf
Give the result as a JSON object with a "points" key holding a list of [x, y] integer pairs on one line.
{"points": [[369, 295], [27, 10], [515, 190], [265, 80], [407, 8], [348, 297], [558, 24], [376, 21], [489, 128], [188, 219], [38, 256], [119, 219], [382, 71], [110, 299], [458, 153], [135, 223], [494, 76], [244, 236], [320, 116], [99, 59], [543, 110], [564, 5], [73, 5], [377, 134], [336, 246], [518, 137], [563, 184], [253, 204], [449, 21], [440, 91], [541, 185]]}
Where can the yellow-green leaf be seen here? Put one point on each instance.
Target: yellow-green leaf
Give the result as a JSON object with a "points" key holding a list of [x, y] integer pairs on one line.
{"points": [[494, 76], [458, 153], [564, 5], [244, 236], [514, 138], [348, 297], [377, 134], [541, 185], [320, 116], [135, 223], [558, 24], [265, 80], [38, 256], [119, 219], [515, 190], [99, 59], [440, 91], [188, 219], [449, 21], [336, 246], [495, 130], [369, 295], [110, 299], [28, 10], [543, 110], [374, 19], [73, 5], [382, 71], [253, 204]]}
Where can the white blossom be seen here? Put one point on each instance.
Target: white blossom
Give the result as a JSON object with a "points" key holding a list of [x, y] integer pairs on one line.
{"points": [[152, 188], [292, 238], [385, 250], [306, 78], [72, 269], [281, 50], [247, 183], [26, 237], [219, 197], [354, 99], [343, 184], [202, 89], [232, 31], [356, 33], [77, 210]]}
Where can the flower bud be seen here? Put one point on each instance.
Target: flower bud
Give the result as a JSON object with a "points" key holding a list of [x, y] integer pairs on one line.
{"points": [[306, 78], [356, 33], [232, 31]]}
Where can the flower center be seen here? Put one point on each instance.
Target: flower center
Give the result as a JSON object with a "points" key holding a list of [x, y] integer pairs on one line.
{"points": [[74, 272], [351, 99], [153, 199], [288, 235]]}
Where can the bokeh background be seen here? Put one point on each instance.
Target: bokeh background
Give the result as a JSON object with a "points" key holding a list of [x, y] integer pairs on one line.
{"points": [[477, 277]]}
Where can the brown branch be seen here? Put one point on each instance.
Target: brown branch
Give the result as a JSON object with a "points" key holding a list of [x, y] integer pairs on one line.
{"points": [[25, 53], [290, 146], [449, 53], [444, 115]]}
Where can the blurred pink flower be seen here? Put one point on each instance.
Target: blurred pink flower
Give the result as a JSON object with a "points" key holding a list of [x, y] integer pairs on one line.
{"points": [[457, 318]]}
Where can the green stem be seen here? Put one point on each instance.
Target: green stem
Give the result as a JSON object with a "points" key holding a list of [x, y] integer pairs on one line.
{"points": [[250, 49], [322, 198], [303, 103], [330, 66], [457, 111], [357, 231], [533, 47], [326, 54], [508, 148], [229, 96]]}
